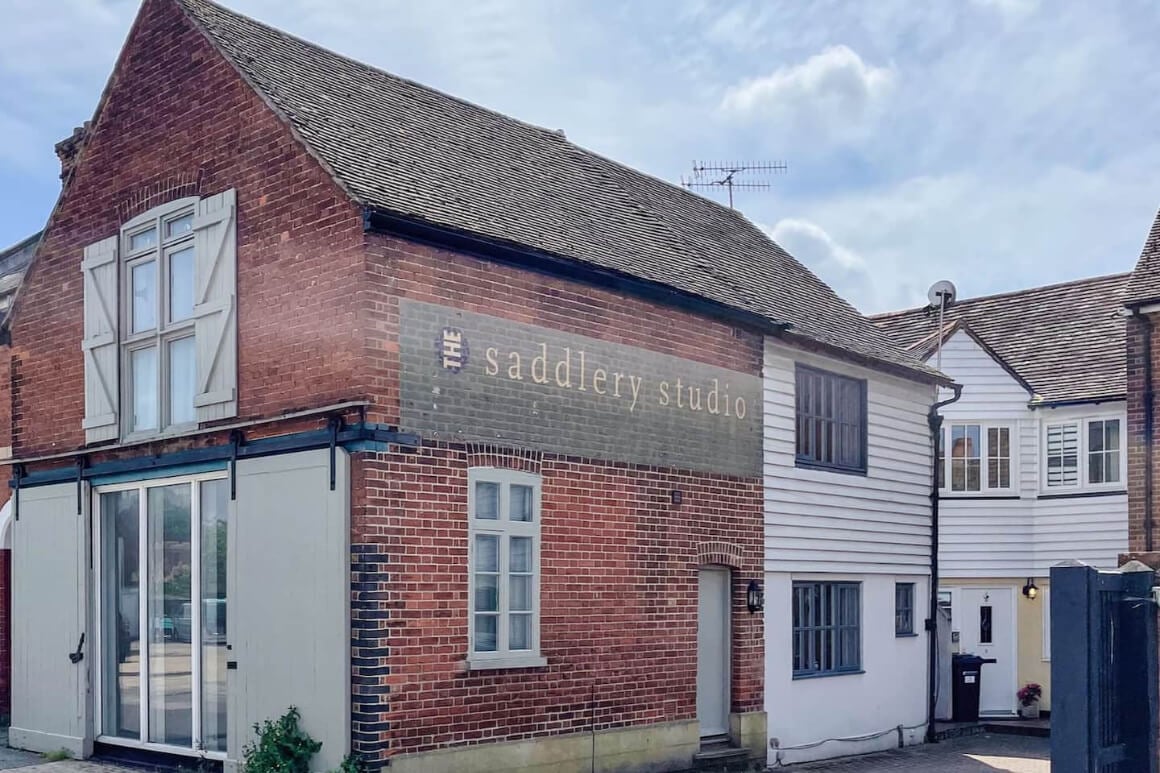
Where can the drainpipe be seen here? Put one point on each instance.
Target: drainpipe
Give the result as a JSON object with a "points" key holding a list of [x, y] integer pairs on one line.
{"points": [[1149, 413], [935, 420]]}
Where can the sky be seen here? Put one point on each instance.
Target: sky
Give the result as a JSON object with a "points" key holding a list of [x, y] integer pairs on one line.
{"points": [[1000, 144]]}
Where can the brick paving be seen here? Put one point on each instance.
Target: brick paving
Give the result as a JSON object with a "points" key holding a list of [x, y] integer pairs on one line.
{"points": [[974, 754]]}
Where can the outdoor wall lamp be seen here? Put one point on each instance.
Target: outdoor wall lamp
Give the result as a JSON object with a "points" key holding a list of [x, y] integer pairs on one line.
{"points": [[1030, 590], [754, 597]]}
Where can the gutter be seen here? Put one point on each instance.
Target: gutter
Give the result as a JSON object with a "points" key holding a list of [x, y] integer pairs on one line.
{"points": [[380, 221], [513, 254], [934, 420]]}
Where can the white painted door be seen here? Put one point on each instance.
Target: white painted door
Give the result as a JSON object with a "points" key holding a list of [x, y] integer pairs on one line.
{"points": [[988, 630], [713, 651]]}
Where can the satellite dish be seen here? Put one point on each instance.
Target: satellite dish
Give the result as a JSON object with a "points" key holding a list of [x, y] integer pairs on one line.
{"points": [[941, 294]]}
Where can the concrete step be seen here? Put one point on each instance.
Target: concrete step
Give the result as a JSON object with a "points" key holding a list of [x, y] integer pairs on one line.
{"points": [[718, 755]]}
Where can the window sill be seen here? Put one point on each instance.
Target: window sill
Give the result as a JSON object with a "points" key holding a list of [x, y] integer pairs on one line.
{"points": [[510, 661], [946, 495], [802, 464], [827, 674], [911, 635]]}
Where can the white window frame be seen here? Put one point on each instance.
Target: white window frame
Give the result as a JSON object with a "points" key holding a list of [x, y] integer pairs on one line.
{"points": [[98, 643], [1082, 424], [165, 332], [504, 529], [946, 491]]}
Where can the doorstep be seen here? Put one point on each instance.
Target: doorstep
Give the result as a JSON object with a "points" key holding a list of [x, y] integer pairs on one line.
{"points": [[1036, 728]]}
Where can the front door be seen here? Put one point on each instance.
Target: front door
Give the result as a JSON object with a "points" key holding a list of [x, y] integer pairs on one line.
{"points": [[713, 651], [162, 608], [987, 629]]}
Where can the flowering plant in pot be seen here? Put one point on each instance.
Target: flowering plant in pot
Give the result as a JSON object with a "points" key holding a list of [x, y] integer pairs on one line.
{"points": [[1029, 696]]}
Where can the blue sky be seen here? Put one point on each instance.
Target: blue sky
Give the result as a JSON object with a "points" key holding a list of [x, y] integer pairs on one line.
{"points": [[998, 143]]}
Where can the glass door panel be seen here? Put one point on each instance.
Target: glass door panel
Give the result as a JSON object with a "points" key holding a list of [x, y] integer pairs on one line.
{"points": [[169, 600], [120, 608], [214, 508]]}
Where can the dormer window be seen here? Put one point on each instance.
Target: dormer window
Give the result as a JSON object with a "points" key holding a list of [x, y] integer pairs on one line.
{"points": [[160, 337]]}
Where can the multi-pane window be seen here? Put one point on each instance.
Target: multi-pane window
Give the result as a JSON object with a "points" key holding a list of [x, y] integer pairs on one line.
{"points": [[1103, 451], [1084, 453], [980, 458], [831, 420], [827, 633], [998, 457], [903, 608], [158, 342], [1063, 454], [504, 510]]}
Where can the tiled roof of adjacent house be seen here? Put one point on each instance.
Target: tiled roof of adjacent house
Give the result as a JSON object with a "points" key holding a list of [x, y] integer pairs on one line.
{"points": [[414, 152], [1064, 341], [13, 262], [1144, 286]]}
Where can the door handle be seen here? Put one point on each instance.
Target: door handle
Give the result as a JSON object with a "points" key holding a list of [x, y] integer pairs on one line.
{"points": [[78, 656]]}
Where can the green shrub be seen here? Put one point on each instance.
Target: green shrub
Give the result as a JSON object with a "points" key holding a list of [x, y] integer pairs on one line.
{"points": [[280, 747]]}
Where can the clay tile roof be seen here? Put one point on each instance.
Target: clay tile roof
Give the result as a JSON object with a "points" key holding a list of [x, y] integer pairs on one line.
{"points": [[408, 150], [1065, 342], [1144, 286]]}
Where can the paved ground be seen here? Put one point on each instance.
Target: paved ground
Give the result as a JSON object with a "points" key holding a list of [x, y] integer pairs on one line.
{"points": [[974, 754]]}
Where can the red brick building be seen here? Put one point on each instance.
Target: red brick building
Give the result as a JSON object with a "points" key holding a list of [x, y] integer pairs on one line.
{"points": [[331, 390], [1142, 304]]}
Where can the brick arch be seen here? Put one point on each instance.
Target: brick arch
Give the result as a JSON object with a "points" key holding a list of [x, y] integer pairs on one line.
{"points": [[723, 553], [160, 191], [493, 455]]}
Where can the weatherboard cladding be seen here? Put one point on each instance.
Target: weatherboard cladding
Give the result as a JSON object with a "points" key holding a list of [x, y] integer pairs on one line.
{"points": [[401, 147], [1065, 341]]}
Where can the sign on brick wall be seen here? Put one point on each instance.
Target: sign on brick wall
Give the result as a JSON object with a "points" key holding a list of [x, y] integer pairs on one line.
{"points": [[474, 377]]}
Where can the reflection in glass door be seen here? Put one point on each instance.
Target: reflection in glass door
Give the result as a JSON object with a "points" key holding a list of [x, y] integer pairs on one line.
{"points": [[163, 610]]}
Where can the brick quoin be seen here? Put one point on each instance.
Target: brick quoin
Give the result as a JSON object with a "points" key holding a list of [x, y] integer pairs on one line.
{"points": [[318, 306]]}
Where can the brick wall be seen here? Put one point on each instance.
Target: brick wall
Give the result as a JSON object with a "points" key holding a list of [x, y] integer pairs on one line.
{"points": [[619, 560], [177, 120], [1137, 454]]}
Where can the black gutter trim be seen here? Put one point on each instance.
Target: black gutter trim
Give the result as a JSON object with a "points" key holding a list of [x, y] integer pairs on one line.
{"points": [[1085, 494], [380, 221], [224, 452], [934, 421], [1076, 401]]}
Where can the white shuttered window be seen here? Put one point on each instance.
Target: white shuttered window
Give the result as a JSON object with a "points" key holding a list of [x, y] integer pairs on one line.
{"points": [[160, 336], [1062, 455]]}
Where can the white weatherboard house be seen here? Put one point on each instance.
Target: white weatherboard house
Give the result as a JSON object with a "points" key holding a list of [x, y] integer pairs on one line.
{"points": [[848, 460], [1032, 463]]}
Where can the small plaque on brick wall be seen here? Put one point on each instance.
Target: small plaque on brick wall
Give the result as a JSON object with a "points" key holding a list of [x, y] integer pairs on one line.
{"points": [[474, 377]]}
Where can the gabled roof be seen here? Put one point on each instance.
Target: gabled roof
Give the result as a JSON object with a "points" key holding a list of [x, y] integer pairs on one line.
{"points": [[13, 263], [1144, 286], [408, 150], [1064, 342]]}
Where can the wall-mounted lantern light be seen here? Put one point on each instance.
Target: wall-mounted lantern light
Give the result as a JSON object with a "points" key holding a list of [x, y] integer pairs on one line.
{"points": [[1030, 590], [754, 597]]}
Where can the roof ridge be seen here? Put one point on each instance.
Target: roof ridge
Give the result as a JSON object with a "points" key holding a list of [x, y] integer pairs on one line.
{"points": [[556, 133], [1007, 294]]}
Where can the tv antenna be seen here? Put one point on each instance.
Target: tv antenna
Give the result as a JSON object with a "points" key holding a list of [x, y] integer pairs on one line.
{"points": [[941, 295], [726, 176]]}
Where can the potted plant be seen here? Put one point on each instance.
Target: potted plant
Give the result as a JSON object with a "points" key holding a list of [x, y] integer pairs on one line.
{"points": [[1029, 700]]}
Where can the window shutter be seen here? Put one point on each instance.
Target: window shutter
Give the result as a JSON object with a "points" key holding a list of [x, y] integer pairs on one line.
{"points": [[102, 387], [215, 306]]}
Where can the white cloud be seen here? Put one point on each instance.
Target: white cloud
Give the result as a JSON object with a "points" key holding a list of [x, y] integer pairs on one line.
{"points": [[835, 264], [834, 90], [1010, 9]]}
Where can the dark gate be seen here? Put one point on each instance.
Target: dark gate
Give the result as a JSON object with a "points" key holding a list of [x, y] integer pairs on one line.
{"points": [[1103, 670]]}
